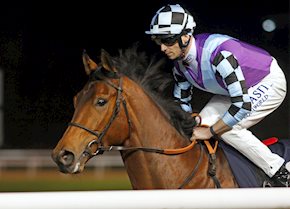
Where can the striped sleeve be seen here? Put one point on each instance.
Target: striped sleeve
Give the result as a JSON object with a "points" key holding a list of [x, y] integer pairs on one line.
{"points": [[182, 91], [226, 66]]}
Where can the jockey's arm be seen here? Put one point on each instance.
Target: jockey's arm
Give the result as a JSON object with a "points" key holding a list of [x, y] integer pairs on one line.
{"points": [[182, 91], [219, 128], [227, 66]]}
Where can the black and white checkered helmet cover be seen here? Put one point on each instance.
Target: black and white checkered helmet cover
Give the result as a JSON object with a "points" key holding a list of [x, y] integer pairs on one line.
{"points": [[171, 19]]}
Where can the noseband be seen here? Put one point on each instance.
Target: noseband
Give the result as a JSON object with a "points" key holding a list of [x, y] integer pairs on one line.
{"points": [[103, 74]]}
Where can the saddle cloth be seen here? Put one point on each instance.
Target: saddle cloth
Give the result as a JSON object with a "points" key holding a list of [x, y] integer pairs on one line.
{"points": [[246, 173]]}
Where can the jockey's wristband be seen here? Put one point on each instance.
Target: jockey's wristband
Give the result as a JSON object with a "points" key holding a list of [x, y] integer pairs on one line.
{"points": [[214, 134]]}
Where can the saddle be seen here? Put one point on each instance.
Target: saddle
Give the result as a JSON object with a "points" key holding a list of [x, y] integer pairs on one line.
{"points": [[246, 173]]}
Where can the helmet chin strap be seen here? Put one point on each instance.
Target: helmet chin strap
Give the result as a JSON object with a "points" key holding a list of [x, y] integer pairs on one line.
{"points": [[183, 47]]}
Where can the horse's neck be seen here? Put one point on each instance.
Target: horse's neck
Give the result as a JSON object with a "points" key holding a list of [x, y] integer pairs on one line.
{"points": [[150, 128]]}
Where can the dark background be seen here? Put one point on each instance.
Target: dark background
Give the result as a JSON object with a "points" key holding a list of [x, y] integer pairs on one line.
{"points": [[41, 45]]}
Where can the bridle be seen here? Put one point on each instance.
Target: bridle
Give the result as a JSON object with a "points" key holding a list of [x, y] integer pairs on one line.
{"points": [[103, 74]]}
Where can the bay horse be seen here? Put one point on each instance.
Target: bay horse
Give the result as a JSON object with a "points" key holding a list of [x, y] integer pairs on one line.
{"points": [[122, 108]]}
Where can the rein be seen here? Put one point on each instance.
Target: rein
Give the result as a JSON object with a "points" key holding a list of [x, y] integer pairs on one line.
{"points": [[152, 149]]}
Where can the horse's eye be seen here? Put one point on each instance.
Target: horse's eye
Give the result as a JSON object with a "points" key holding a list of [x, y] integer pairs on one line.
{"points": [[101, 102]]}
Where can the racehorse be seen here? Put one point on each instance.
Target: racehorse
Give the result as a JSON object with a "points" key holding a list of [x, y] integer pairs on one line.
{"points": [[121, 108]]}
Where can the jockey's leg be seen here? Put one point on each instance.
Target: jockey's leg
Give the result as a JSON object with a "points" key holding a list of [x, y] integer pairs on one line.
{"points": [[240, 138], [250, 146], [266, 97]]}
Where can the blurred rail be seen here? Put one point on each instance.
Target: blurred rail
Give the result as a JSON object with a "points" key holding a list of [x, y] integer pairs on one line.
{"points": [[41, 158], [254, 198]]}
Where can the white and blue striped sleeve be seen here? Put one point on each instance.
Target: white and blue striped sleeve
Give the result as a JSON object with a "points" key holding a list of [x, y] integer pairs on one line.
{"points": [[182, 91], [226, 66]]}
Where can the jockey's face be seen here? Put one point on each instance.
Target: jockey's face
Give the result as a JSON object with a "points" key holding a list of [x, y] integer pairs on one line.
{"points": [[172, 52], [171, 49]]}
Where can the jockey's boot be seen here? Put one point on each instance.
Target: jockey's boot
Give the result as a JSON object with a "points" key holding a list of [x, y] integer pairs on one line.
{"points": [[281, 178]]}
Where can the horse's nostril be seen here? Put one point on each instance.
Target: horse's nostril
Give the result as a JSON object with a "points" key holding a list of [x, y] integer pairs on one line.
{"points": [[66, 158]]}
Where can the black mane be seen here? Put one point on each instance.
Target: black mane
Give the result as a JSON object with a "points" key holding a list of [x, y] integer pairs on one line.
{"points": [[158, 83]]}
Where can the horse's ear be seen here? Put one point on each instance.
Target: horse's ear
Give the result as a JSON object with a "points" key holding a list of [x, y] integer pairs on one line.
{"points": [[89, 64], [107, 61]]}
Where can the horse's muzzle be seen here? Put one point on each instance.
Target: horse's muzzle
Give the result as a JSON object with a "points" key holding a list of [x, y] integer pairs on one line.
{"points": [[65, 161]]}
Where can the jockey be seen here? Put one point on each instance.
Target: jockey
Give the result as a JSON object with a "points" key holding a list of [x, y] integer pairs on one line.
{"points": [[246, 81]]}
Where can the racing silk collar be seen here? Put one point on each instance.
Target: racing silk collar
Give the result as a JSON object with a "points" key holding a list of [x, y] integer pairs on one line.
{"points": [[190, 57], [189, 65]]}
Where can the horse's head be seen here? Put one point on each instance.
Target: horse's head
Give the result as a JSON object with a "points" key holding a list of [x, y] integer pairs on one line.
{"points": [[99, 107]]}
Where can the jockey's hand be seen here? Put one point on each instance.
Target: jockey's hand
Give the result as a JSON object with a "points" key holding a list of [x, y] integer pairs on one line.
{"points": [[201, 133]]}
